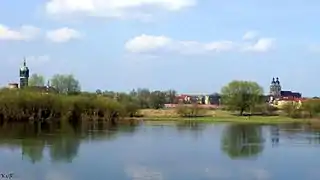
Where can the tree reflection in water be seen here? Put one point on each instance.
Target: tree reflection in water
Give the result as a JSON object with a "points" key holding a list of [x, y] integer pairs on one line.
{"points": [[195, 128], [61, 139], [242, 140]]}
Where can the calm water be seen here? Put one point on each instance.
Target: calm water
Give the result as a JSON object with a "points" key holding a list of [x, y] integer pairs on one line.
{"points": [[156, 152]]}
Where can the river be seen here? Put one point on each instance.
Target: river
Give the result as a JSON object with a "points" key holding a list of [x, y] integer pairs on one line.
{"points": [[150, 151]]}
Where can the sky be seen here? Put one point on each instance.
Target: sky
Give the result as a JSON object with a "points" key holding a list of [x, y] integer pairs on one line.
{"points": [[192, 46]]}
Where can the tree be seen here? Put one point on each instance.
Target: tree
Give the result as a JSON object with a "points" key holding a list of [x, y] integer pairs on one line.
{"points": [[98, 91], [171, 96], [241, 95], [36, 80], [65, 83], [312, 107], [157, 99], [143, 96]]}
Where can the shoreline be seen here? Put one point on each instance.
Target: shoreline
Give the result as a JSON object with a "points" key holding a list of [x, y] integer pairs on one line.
{"points": [[235, 119], [216, 116]]}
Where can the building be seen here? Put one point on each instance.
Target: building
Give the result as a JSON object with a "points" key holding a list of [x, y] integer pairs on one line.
{"points": [[278, 96], [24, 75], [24, 81], [13, 85]]}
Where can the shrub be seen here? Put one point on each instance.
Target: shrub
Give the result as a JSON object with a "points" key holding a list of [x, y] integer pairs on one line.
{"points": [[311, 107], [190, 111], [292, 109], [24, 105]]}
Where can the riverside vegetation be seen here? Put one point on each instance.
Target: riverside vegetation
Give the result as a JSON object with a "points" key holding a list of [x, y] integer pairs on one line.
{"points": [[27, 105], [240, 99]]}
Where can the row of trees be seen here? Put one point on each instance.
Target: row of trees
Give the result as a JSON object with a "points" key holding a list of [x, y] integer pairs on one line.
{"points": [[142, 97], [241, 96], [237, 95], [247, 96], [25, 105], [62, 83], [309, 109]]}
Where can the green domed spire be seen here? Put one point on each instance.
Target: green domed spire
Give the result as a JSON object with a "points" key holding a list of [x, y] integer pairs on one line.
{"points": [[24, 74]]}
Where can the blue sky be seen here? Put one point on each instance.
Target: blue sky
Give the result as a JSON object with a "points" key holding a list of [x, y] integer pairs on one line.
{"points": [[192, 46]]}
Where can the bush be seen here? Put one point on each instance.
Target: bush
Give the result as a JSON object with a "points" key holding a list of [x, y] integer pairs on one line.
{"points": [[311, 107], [291, 109], [190, 111], [265, 109], [24, 105]]}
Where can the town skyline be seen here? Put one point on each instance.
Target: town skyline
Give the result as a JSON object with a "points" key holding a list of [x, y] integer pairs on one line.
{"points": [[25, 74], [191, 46]]}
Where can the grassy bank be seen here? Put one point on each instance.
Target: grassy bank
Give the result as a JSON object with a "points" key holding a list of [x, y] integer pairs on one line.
{"points": [[215, 116]]}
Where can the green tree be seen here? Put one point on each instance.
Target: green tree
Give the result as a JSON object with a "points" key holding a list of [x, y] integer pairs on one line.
{"points": [[241, 95], [143, 96], [242, 140], [157, 99], [312, 107], [36, 80], [171, 96], [98, 91], [65, 83]]}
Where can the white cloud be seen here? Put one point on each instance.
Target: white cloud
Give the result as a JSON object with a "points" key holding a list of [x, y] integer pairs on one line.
{"points": [[24, 33], [262, 45], [114, 8], [146, 43], [250, 35], [155, 44], [63, 35]]}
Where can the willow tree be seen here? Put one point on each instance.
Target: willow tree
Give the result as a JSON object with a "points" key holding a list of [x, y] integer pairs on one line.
{"points": [[65, 83], [36, 80], [242, 95]]}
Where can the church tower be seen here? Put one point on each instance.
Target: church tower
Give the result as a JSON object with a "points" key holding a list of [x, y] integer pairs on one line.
{"points": [[278, 88], [24, 75], [273, 88]]}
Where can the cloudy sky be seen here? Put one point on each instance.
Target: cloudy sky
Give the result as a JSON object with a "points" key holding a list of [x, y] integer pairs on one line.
{"points": [[193, 46]]}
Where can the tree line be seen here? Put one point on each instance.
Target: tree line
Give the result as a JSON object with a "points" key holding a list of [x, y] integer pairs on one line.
{"points": [[244, 97], [248, 96]]}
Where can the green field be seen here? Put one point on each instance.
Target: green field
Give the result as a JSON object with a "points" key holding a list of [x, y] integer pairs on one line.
{"points": [[216, 116]]}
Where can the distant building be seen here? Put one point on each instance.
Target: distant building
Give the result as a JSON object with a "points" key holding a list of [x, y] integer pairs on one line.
{"points": [[24, 81], [276, 95], [24, 75], [213, 99], [13, 85]]}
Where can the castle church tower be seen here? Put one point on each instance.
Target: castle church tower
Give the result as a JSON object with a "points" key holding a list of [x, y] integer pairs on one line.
{"points": [[272, 88], [275, 89], [278, 88], [24, 75]]}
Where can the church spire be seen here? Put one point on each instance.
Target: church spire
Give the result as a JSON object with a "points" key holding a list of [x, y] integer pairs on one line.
{"points": [[24, 74], [277, 81], [24, 62]]}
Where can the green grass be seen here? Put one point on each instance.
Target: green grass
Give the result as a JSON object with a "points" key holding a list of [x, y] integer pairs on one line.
{"points": [[234, 119], [216, 116]]}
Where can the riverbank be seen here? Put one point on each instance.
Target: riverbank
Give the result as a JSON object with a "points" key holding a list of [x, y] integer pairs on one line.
{"points": [[215, 116]]}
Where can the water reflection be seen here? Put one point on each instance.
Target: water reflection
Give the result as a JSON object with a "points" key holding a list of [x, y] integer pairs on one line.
{"points": [[169, 152], [62, 140], [242, 140], [299, 134]]}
